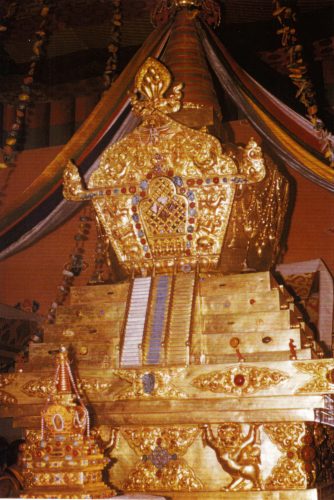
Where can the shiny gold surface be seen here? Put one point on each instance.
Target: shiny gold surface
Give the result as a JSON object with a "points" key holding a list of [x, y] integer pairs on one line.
{"points": [[62, 460], [164, 193], [204, 384]]}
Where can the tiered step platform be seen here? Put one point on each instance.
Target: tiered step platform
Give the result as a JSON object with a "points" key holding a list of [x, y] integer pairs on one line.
{"points": [[200, 376]]}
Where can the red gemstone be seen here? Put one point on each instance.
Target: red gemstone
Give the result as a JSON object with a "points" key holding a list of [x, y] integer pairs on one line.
{"points": [[48, 449], [182, 190], [190, 182], [239, 379], [68, 448], [192, 204], [148, 255], [142, 194], [143, 241], [191, 220], [252, 301], [199, 181], [188, 251], [108, 192], [170, 173], [58, 444], [149, 176], [138, 226], [38, 454], [159, 441], [290, 454], [134, 209], [189, 237], [216, 180], [123, 190], [75, 453], [132, 189]]}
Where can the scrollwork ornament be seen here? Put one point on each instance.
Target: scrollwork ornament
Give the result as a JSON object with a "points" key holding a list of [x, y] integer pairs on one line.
{"points": [[5, 397], [163, 387], [162, 467], [40, 388], [240, 380], [322, 376], [289, 472]]}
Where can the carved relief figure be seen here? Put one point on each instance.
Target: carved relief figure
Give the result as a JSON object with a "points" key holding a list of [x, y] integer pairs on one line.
{"points": [[241, 461]]}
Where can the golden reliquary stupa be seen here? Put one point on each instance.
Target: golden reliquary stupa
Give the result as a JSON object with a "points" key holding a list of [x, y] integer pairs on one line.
{"points": [[202, 378]]}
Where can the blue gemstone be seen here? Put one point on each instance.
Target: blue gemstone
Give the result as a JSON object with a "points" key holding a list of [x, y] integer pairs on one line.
{"points": [[224, 179], [145, 247], [208, 181], [135, 200], [188, 244], [140, 234], [144, 185], [190, 229], [177, 181], [192, 212], [116, 191], [135, 217], [191, 195]]}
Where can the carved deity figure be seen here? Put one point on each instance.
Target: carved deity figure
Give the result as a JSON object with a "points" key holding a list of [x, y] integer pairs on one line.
{"points": [[241, 462]]}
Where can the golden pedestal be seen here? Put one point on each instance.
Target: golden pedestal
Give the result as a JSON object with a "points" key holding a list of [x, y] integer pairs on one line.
{"points": [[229, 403]]}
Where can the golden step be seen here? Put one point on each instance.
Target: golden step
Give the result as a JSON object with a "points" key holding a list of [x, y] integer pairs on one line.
{"points": [[256, 322], [213, 285], [90, 332], [90, 313], [243, 302], [99, 293]]}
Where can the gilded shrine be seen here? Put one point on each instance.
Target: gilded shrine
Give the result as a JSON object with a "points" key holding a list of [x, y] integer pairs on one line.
{"points": [[203, 378]]}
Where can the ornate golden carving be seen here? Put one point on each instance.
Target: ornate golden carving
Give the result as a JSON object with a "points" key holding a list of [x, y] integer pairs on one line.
{"points": [[40, 388], [152, 81], [253, 162], [73, 185], [161, 381], [289, 472], [5, 397], [238, 455], [63, 458], [241, 379], [322, 376], [165, 191], [95, 385], [162, 467]]}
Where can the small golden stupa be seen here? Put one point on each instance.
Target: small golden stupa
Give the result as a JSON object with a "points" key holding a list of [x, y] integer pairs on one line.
{"points": [[63, 460]]}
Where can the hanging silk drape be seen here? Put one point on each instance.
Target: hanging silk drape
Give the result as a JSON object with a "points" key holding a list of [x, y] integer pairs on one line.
{"points": [[41, 207], [293, 137]]}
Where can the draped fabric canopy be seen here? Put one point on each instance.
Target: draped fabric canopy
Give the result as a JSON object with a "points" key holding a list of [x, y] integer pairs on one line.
{"points": [[41, 207]]}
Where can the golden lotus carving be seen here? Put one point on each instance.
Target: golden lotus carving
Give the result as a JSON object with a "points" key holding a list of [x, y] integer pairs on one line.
{"points": [[152, 81], [240, 380]]}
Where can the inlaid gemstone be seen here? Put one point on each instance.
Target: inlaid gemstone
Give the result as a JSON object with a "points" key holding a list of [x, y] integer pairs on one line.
{"points": [[239, 380]]}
